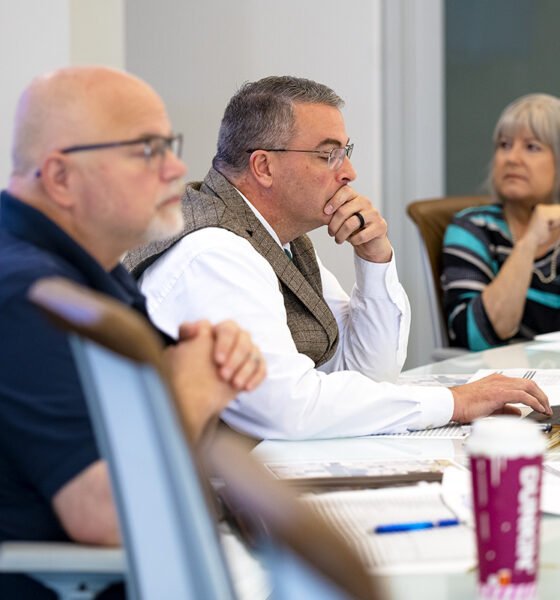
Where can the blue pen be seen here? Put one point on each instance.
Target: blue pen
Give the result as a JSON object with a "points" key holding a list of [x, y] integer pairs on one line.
{"points": [[400, 527]]}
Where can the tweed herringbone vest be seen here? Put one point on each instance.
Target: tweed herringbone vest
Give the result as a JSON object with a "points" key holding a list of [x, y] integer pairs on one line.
{"points": [[216, 203]]}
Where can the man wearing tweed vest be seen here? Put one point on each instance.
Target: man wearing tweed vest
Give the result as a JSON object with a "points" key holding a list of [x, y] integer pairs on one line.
{"points": [[282, 169]]}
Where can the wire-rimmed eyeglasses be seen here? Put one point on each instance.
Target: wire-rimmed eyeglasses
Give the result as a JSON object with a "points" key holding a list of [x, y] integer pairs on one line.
{"points": [[153, 146], [335, 157]]}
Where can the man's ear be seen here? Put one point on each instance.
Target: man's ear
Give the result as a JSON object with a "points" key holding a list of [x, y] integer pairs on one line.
{"points": [[55, 179], [261, 167]]}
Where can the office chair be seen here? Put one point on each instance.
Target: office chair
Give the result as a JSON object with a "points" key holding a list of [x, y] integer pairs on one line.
{"points": [[431, 218], [172, 546], [72, 571]]}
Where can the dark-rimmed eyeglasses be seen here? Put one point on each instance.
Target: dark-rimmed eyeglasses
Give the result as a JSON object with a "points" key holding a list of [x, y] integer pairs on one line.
{"points": [[335, 157], [154, 146]]}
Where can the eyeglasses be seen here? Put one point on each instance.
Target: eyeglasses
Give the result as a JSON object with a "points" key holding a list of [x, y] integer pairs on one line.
{"points": [[154, 146], [334, 157]]}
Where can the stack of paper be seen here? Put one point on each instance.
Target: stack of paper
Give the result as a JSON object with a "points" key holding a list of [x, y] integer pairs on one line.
{"points": [[355, 514]]}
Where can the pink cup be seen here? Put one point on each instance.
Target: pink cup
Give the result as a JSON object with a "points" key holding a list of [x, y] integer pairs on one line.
{"points": [[506, 467]]}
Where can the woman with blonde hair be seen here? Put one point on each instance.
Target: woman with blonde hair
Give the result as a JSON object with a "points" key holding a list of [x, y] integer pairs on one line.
{"points": [[501, 261]]}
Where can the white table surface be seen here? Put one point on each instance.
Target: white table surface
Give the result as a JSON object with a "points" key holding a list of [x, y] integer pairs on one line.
{"points": [[435, 586], [534, 355]]}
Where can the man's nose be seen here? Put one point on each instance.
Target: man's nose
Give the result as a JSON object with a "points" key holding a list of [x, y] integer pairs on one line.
{"points": [[172, 167], [346, 172]]}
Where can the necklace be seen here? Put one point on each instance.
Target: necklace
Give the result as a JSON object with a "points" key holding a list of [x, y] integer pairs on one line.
{"points": [[553, 266]]}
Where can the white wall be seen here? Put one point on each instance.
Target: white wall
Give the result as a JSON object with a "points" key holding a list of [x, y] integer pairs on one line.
{"points": [[197, 60], [97, 32], [34, 37], [413, 141], [37, 36], [385, 57]]}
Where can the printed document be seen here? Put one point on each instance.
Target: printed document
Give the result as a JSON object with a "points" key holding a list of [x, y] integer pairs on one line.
{"points": [[355, 514]]}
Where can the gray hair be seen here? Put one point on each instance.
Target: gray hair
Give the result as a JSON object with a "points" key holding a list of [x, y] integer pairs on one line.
{"points": [[260, 115], [540, 113]]}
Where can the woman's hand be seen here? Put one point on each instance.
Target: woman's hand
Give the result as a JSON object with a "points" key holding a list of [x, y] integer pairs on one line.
{"points": [[543, 229]]}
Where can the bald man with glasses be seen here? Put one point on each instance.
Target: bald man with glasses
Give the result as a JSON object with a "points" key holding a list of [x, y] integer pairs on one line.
{"points": [[96, 172], [282, 169]]}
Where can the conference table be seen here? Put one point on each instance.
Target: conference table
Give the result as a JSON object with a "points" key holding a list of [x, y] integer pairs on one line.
{"points": [[436, 585]]}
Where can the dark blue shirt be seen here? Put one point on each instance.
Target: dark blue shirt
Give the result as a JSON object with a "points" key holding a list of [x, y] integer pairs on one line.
{"points": [[45, 434]]}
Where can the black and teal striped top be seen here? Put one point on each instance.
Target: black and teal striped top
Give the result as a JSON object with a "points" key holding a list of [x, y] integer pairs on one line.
{"points": [[476, 244]]}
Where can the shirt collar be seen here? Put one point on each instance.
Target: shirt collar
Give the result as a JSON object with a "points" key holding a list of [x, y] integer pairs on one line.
{"points": [[265, 223], [27, 223]]}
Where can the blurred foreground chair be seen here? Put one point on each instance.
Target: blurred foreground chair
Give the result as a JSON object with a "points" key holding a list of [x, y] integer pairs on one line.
{"points": [[172, 546], [72, 571], [432, 217]]}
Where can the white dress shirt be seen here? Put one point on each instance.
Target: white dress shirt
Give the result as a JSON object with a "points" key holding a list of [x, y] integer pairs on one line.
{"points": [[215, 274]]}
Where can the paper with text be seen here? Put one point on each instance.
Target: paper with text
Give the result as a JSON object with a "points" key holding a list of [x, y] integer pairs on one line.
{"points": [[356, 513]]}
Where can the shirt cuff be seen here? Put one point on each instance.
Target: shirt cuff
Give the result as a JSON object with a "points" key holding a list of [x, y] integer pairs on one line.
{"points": [[375, 280], [435, 406]]}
